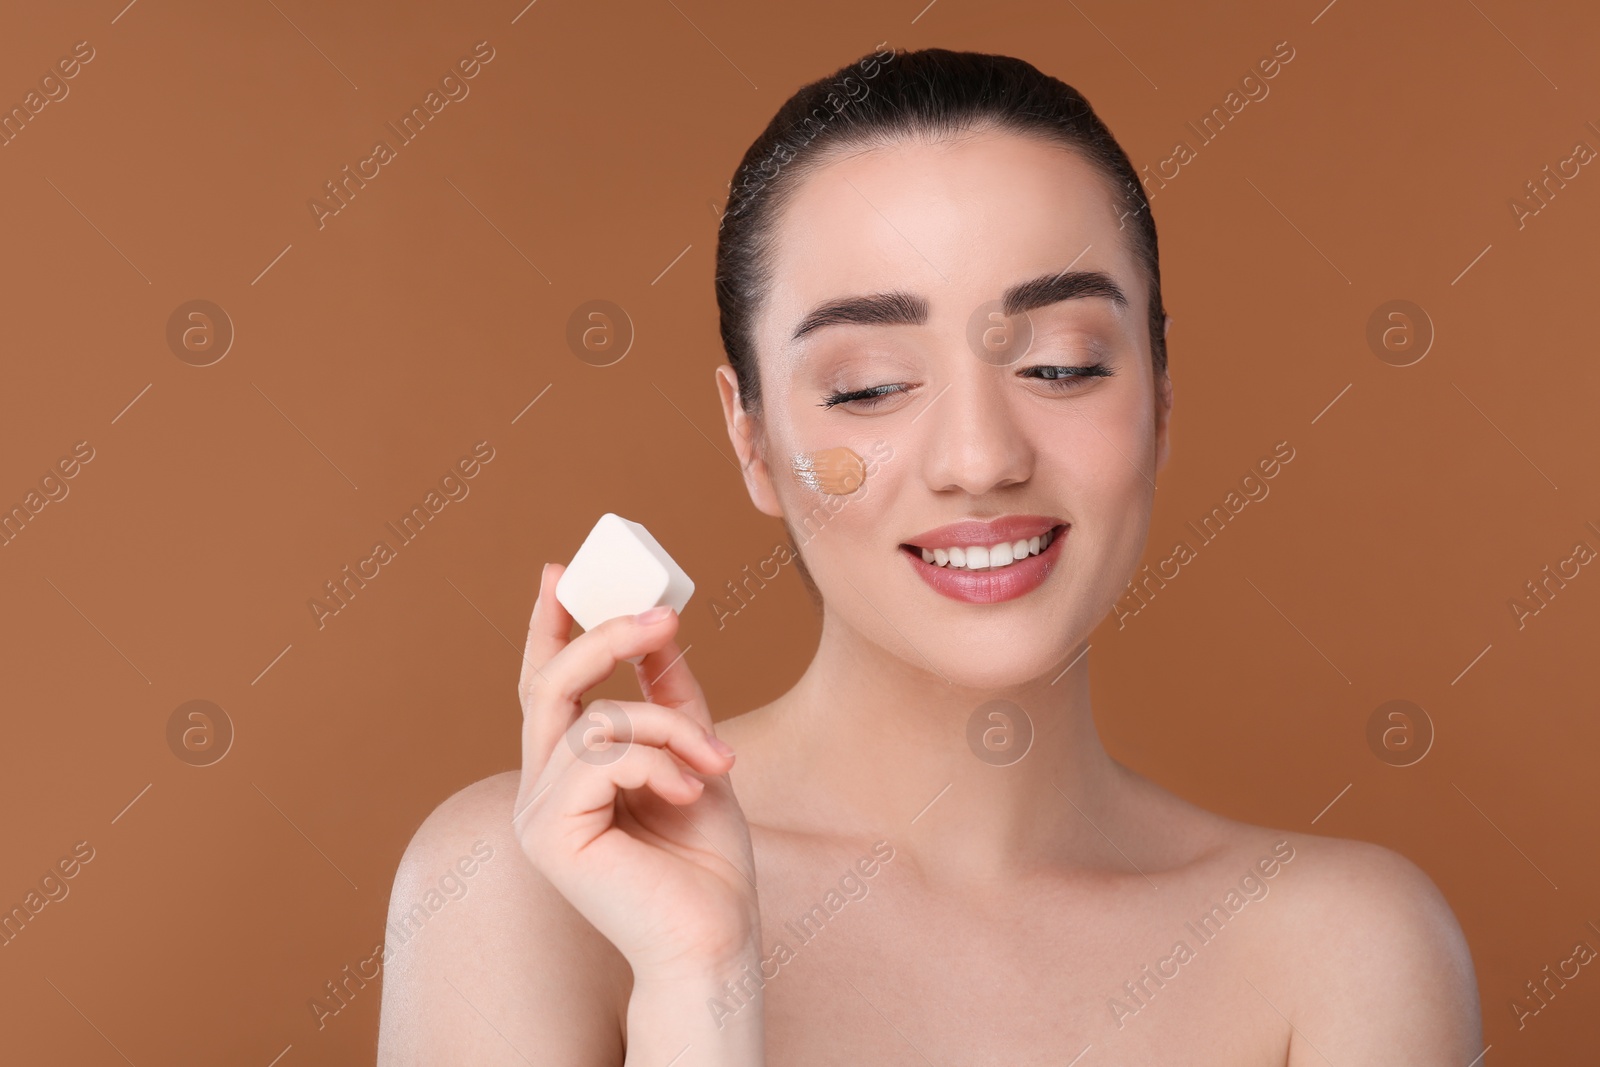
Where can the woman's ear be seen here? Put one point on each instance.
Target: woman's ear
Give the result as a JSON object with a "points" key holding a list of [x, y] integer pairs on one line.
{"points": [[742, 432]]}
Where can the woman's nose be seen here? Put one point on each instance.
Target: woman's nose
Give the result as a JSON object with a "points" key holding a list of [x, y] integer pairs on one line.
{"points": [[973, 439]]}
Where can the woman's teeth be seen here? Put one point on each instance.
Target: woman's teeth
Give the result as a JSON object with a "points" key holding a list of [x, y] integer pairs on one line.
{"points": [[987, 557]]}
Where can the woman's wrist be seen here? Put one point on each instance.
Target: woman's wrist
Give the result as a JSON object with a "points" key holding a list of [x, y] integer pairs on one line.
{"points": [[711, 1016]]}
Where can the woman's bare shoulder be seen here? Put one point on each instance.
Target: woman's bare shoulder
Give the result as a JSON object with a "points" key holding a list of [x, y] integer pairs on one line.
{"points": [[1350, 940], [1358, 947], [484, 960]]}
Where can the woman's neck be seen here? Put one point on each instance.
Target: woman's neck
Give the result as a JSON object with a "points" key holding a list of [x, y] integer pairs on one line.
{"points": [[866, 743]]}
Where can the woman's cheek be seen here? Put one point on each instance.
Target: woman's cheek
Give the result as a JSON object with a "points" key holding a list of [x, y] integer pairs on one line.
{"points": [[1108, 491], [838, 486]]}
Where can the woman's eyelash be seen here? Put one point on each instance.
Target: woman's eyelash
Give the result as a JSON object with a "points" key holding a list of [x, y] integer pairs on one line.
{"points": [[1061, 379], [1073, 375], [871, 396]]}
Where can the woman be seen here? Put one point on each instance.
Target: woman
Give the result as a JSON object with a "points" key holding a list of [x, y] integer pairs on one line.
{"points": [[944, 262]]}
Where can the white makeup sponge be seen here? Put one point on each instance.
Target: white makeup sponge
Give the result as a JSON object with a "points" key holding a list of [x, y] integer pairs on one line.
{"points": [[620, 569]]}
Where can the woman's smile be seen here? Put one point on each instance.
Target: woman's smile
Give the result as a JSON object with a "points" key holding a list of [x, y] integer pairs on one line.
{"points": [[987, 562]]}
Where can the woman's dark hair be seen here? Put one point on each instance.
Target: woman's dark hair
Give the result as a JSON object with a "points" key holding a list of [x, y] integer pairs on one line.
{"points": [[875, 102]]}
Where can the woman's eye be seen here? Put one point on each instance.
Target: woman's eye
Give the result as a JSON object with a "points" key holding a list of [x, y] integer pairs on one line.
{"points": [[1059, 379], [1066, 379], [862, 399]]}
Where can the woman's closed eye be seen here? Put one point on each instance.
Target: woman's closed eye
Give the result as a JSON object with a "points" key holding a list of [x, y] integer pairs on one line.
{"points": [[1058, 379]]}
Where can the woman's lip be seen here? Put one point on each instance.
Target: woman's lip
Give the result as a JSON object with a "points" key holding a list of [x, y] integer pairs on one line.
{"points": [[985, 531], [993, 585]]}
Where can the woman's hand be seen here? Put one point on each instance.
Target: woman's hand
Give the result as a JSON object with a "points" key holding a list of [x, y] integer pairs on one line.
{"points": [[626, 807]]}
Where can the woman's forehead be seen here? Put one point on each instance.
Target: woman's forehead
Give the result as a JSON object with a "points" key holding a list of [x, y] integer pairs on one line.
{"points": [[955, 222]]}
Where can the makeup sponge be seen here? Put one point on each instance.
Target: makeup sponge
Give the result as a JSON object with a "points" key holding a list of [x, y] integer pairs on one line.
{"points": [[620, 569]]}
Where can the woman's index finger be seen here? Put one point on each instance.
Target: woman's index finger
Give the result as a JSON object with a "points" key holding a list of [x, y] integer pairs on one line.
{"points": [[549, 629], [665, 678]]}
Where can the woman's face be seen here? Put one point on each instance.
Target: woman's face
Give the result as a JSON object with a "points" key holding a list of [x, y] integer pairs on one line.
{"points": [[967, 428]]}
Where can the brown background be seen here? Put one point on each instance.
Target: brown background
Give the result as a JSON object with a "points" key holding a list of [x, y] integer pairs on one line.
{"points": [[593, 150]]}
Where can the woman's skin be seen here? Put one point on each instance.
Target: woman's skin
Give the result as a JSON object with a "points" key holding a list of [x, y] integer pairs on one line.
{"points": [[1015, 901]]}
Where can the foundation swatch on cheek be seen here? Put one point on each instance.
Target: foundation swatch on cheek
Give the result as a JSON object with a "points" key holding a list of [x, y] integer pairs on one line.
{"points": [[835, 471]]}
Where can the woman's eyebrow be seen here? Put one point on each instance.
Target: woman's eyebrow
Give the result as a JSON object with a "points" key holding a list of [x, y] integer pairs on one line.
{"points": [[1067, 285], [909, 309], [879, 309]]}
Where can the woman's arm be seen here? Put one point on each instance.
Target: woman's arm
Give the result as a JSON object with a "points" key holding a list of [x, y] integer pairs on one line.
{"points": [[673, 1021]]}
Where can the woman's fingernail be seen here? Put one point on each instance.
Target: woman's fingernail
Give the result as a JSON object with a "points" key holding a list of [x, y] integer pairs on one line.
{"points": [[655, 614], [719, 745]]}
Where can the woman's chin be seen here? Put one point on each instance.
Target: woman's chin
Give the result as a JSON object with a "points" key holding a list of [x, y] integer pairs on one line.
{"points": [[998, 666]]}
